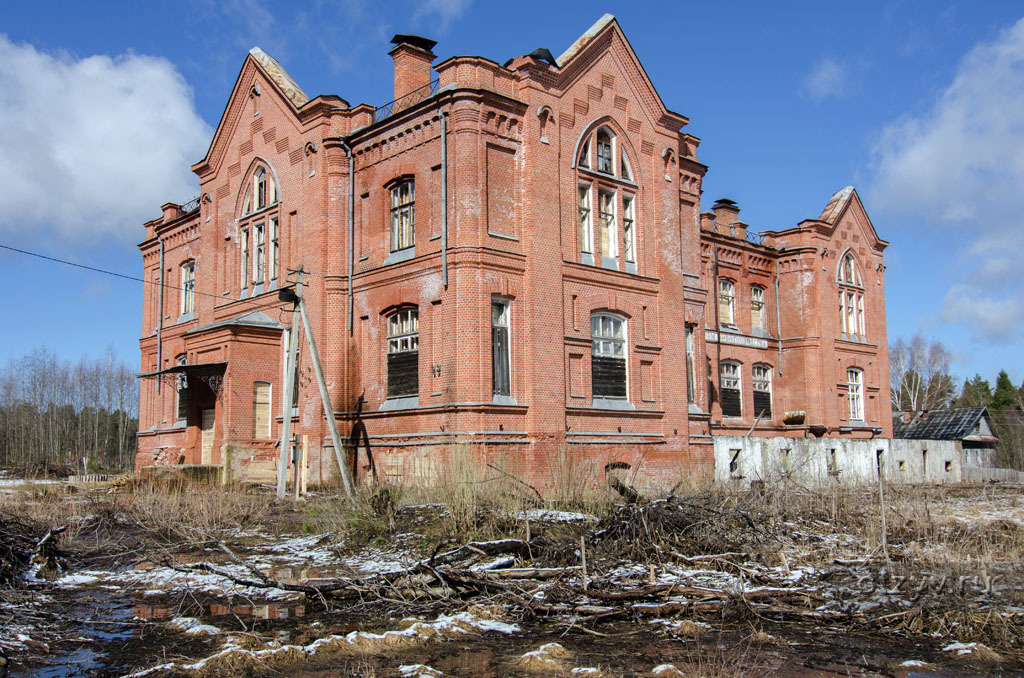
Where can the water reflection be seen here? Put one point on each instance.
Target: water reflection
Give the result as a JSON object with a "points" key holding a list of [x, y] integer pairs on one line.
{"points": [[245, 611]]}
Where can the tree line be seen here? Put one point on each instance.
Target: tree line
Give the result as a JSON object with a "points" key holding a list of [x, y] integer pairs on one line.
{"points": [[920, 380], [56, 413]]}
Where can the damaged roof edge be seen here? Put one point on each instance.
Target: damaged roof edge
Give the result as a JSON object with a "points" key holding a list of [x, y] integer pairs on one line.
{"points": [[581, 41], [280, 77]]}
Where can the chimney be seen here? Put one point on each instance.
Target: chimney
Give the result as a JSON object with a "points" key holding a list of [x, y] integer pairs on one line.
{"points": [[727, 218], [171, 211], [413, 60]]}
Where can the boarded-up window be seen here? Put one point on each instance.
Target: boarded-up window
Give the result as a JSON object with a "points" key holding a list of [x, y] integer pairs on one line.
{"points": [[762, 380], [757, 307], [729, 387], [726, 302], [499, 348], [261, 410], [608, 356], [403, 353]]}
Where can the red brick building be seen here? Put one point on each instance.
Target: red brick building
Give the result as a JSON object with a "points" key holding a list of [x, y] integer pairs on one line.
{"points": [[512, 256]]}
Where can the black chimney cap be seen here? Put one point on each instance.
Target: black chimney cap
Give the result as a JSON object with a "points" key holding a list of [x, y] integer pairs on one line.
{"points": [[725, 202], [543, 54], [426, 44]]}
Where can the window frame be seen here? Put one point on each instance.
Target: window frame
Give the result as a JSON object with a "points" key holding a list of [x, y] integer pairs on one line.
{"points": [[609, 345], [499, 323], [855, 393], [761, 382], [737, 377], [757, 307], [726, 302], [610, 176], [181, 402], [259, 231], [402, 215], [265, 434], [402, 339], [188, 287], [850, 283], [259, 249]]}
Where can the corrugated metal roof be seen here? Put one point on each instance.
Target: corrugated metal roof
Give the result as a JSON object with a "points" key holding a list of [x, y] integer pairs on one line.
{"points": [[955, 424]]}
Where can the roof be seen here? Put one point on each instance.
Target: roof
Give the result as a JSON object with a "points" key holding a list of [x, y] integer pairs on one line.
{"points": [[582, 41], [953, 424], [835, 205], [280, 77], [254, 319]]}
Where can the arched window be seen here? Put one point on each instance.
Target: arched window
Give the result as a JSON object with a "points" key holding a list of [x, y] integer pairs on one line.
{"points": [[605, 182], [608, 355], [855, 393], [726, 302], [259, 233], [851, 299], [729, 389], [762, 382], [403, 353], [188, 287]]}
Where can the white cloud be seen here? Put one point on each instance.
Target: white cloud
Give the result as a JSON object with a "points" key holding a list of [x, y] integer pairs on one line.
{"points": [[92, 147], [828, 79], [446, 10], [961, 165]]}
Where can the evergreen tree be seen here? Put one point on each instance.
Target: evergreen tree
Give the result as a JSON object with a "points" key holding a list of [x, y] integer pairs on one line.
{"points": [[976, 392], [1004, 395]]}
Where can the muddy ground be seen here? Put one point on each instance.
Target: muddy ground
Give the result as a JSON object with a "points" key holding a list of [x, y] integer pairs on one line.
{"points": [[707, 584]]}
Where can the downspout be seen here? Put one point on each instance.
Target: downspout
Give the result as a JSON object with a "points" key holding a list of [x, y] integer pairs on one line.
{"points": [[351, 224], [718, 328], [778, 315], [160, 318], [444, 198]]}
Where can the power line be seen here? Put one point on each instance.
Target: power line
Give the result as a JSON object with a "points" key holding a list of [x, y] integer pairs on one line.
{"points": [[101, 270]]}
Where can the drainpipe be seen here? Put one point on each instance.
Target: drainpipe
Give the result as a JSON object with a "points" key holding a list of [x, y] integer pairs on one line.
{"points": [[718, 328], [444, 199], [351, 224], [160, 318], [778, 315]]}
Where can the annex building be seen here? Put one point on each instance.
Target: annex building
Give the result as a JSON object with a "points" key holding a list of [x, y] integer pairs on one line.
{"points": [[511, 258]]}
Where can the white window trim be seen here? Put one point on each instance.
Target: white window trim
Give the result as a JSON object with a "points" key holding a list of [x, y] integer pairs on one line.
{"points": [[731, 305], [188, 288], [594, 338], [855, 393]]}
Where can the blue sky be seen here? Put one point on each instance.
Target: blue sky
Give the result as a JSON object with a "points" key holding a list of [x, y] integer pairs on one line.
{"points": [[919, 104]]}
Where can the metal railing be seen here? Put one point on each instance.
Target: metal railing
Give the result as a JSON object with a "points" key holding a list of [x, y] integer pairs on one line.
{"points": [[754, 237], [406, 101], [191, 206]]}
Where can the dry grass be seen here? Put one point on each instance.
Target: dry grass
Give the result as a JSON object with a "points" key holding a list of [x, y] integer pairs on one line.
{"points": [[195, 511]]}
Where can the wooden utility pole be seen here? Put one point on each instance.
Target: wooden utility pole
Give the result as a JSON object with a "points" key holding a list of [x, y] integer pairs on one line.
{"points": [[289, 394], [332, 424]]}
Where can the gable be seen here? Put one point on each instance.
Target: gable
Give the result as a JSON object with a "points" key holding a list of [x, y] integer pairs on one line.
{"points": [[850, 221], [601, 42], [259, 70]]}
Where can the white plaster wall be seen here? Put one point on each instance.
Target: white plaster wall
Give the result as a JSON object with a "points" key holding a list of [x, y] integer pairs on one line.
{"points": [[819, 461]]}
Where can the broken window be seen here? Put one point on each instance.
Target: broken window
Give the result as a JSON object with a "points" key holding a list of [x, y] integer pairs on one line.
{"points": [[608, 355], [403, 215], [188, 285], [851, 299], [182, 393], [244, 264], [586, 222], [734, 463], [628, 230], [275, 249], [729, 388], [691, 367], [259, 250], [855, 393], [607, 235], [500, 363], [604, 151], [403, 353], [762, 382]]}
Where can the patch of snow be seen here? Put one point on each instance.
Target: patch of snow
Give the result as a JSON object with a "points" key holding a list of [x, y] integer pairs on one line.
{"points": [[911, 663], [580, 671], [669, 669], [419, 671], [552, 516], [960, 648], [193, 627]]}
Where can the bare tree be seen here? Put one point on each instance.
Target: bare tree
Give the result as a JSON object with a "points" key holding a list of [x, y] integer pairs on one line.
{"points": [[919, 374]]}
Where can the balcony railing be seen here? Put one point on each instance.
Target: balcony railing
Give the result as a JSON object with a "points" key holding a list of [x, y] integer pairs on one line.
{"points": [[407, 101], [191, 206]]}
